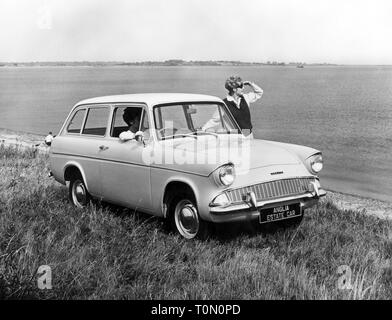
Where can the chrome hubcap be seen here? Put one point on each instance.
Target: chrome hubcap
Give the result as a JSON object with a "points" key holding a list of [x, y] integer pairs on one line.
{"points": [[186, 218], [79, 194]]}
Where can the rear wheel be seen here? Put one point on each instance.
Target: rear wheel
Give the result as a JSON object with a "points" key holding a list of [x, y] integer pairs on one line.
{"points": [[78, 193], [185, 218]]}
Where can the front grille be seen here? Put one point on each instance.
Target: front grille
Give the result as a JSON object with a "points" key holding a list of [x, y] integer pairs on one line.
{"points": [[271, 190]]}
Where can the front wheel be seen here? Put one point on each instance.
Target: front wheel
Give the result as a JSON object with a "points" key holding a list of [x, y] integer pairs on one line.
{"points": [[185, 218], [78, 193]]}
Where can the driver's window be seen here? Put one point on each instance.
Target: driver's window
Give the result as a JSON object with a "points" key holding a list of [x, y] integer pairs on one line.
{"points": [[123, 119]]}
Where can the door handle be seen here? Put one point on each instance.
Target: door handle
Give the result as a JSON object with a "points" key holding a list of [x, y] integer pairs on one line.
{"points": [[103, 148]]}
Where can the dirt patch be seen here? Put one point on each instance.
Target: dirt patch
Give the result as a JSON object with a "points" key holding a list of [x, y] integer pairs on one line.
{"points": [[381, 209], [23, 140]]}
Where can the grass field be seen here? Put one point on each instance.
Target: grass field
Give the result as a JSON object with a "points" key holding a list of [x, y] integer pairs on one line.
{"points": [[106, 252]]}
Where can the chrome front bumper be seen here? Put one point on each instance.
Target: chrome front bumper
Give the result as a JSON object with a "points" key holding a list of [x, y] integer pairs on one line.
{"points": [[249, 211]]}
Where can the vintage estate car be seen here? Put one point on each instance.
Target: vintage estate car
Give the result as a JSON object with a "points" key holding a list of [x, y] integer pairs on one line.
{"points": [[173, 168]]}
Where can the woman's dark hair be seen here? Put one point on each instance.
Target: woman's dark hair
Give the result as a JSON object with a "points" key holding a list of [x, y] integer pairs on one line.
{"points": [[131, 113], [232, 83]]}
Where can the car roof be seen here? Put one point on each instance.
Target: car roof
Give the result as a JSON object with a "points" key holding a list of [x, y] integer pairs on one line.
{"points": [[152, 98]]}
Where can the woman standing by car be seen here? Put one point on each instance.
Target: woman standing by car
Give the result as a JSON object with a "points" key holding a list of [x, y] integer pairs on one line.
{"points": [[238, 103]]}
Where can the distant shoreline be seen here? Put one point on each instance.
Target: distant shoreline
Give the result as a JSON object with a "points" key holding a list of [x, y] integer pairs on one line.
{"points": [[166, 63], [158, 65]]}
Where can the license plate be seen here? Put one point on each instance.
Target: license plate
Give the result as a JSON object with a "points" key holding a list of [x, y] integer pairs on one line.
{"points": [[280, 213]]}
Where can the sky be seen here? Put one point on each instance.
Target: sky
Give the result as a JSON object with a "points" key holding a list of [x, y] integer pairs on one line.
{"points": [[311, 31]]}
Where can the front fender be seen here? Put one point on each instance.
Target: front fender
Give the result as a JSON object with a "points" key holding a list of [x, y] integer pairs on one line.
{"points": [[161, 178], [302, 152]]}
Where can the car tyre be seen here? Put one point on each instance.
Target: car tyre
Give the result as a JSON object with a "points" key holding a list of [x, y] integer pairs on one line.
{"points": [[185, 219], [78, 193]]}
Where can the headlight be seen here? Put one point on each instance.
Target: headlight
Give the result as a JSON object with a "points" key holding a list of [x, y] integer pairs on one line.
{"points": [[316, 163], [225, 175]]}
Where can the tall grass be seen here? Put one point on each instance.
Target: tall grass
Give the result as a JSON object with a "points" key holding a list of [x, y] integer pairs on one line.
{"points": [[106, 252]]}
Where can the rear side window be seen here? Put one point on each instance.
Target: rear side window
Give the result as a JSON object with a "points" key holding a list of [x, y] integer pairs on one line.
{"points": [[96, 123], [75, 125]]}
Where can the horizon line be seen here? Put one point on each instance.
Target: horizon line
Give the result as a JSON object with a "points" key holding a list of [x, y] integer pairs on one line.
{"points": [[180, 61]]}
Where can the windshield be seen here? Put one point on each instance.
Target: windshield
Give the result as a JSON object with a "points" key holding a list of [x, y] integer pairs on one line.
{"points": [[179, 120]]}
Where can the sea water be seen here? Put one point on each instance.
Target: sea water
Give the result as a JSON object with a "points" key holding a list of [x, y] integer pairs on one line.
{"points": [[344, 111]]}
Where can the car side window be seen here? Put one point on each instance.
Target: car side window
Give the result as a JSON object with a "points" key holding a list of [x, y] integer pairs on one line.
{"points": [[75, 125], [120, 117], [96, 122], [119, 124]]}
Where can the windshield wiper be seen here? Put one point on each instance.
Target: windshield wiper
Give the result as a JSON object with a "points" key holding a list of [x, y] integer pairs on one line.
{"points": [[196, 133], [178, 135]]}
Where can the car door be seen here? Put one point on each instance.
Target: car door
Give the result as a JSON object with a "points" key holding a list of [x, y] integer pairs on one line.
{"points": [[84, 141], [124, 175]]}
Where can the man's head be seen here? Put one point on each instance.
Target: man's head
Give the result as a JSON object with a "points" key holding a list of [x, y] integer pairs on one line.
{"points": [[132, 117], [234, 85]]}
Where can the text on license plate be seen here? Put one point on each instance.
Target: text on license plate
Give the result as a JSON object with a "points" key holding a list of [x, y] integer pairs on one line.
{"points": [[280, 213]]}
